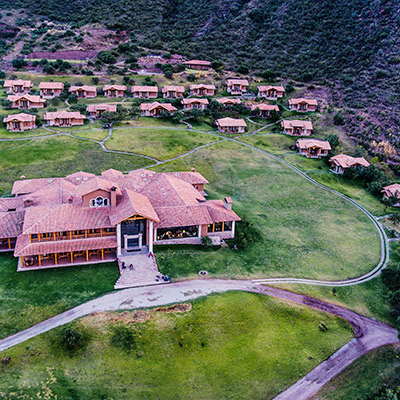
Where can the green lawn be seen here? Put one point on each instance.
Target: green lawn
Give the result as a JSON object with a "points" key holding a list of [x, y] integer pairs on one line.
{"points": [[5, 134], [355, 191], [369, 374], [307, 164], [275, 143], [159, 143], [304, 231], [29, 297], [229, 346], [150, 122], [57, 156], [92, 133]]}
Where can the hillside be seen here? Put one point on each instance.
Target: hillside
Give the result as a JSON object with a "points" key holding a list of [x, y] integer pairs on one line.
{"points": [[352, 46]]}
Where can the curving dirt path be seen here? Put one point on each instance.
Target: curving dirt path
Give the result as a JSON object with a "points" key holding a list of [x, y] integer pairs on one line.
{"points": [[368, 334]]}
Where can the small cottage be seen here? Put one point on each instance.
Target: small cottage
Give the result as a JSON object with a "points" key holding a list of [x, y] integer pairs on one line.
{"points": [[114, 90], [26, 101], [392, 191], [313, 148], [97, 110], [64, 118], [296, 127], [84, 92], [49, 90], [198, 64], [202, 90], [194, 104], [173, 92], [264, 110], [145, 92], [156, 109], [271, 92], [20, 122], [228, 101], [231, 125], [17, 86], [341, 162], [303, 105], [237, 86]]}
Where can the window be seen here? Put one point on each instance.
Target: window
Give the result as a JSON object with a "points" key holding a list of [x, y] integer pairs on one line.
{"points": [[177, 233], [99, 202]]}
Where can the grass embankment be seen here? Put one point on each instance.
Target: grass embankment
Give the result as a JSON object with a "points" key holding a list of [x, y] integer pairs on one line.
{"points": [[27, 298], [234, 345], [158, 143], [57, 157], [303, 231]]}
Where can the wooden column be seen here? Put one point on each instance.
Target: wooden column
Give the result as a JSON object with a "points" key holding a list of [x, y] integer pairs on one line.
{"points": [[39, 237], [213, 227], [102, 254], [87, 255], [55, 258], [22, 261], [40, 260], [101, 232], [72, 257], [70, 235], [9, 243], [54, 236], [85, 233], [223, 226]]}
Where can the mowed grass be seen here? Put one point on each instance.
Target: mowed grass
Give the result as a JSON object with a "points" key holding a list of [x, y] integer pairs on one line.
{"points": [[304, 231], [307, 164], [59, 156], [274, 143], [228, 346], [150, 122], [369, 374], [158, 143], [5, 134], [29, 297], [92, 133]]}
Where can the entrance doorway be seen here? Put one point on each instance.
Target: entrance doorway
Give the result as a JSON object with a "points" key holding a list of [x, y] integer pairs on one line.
{"points": [[133, 234]]}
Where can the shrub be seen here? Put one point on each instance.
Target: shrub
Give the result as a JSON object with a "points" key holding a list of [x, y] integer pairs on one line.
{"points": [[243, 69], [207, 242], [338, 119], [391, 277], [71, 337], [246, 234], [106, 57], [19, 63], [123, 337], [333, 140], [268, 75]]}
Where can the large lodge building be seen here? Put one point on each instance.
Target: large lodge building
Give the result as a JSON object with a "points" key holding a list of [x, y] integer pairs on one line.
{"points": [[83, 218]]}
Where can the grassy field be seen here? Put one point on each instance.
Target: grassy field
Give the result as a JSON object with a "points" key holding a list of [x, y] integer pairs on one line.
{"points": [[159, 143], [150, 122], [92, 133], [307, 164], [303, 230], [27, 298], [378, 369], [57, 157], [229, 346], [275, 143], [5, 134]]}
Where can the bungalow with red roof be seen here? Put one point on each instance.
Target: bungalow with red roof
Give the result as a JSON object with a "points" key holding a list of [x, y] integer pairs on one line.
{"points": [[198, 64], [264, 110], [192, 103], [64, 118], [313, 148], [97, 110], [228, 101], [392, 192], [20, 122], [172, 92], [237, 86], [84, 92], [26, 101], [231, 125], [18, 86], [202, 89], [156, 109], [296, 127], [341, 162], [114, 90], [145, 92], [49, 90], [271, 92], [83, 218], [303, 105]]}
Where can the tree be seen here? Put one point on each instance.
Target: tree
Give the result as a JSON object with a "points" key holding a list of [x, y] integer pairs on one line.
{"points": [[243, 69], [395, 218], [333, 140], [338, 119], [18, 63], [391, 277], [268, 75], [106, 57]]}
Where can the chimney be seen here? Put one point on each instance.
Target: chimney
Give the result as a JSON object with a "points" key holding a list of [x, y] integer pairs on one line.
{"points": [[193, 169], [113, 199], [228, 203], [70, 199], [22, 177], [28, 202]]}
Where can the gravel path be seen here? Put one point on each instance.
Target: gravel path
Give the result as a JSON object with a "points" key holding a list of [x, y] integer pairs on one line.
{"points": [[368, 334]]}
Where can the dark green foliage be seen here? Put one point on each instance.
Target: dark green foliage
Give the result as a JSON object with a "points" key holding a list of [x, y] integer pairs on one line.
{"points": [[246, 234], [123, 337], [19, 63], [243, 69], [333, 141], [338, 119], [70, 338], [268, 75], [106, 57], [391, 277], [207, 242]]}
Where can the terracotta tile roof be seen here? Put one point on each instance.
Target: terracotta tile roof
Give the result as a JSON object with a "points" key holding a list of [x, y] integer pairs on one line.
{"points": [[132, 203], [7, 203], [231, 122], [18, 82], [156, 104], [179, 89], [34, 99], [295, 123], [266, 88], [86, 88], [202, 86], [63, 115], [24, 248], [392, 190], [22, 117], [115, 87], [243, 82], [11, 223], [265, 107], [346, 161], [78, 177], [153, 89], [101, 107], [198, 62], [219, 213], [65, 217], [51, 85], [171, 217], [192, 100], [307, 143], [26, 186], [96, 183], [228, 100], [311, 102], [194, 178]]}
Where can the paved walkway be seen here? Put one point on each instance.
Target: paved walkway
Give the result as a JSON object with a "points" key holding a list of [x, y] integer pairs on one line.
{"points": [[368, 334]]}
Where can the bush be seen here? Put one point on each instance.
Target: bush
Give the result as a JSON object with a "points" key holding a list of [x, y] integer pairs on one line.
{"points": [[71, 337], [338, 119], [207, 242], [106, 57], [391, 277], [246, 234], [19, 63], [333, 141], [123, 337], [243, 69], [268, 75]]}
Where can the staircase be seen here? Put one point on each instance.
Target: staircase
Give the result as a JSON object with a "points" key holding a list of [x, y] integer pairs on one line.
{"points": [[140, 270]]}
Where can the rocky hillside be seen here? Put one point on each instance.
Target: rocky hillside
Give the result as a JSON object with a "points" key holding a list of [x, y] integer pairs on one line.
{"points": [[351, 45]]}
